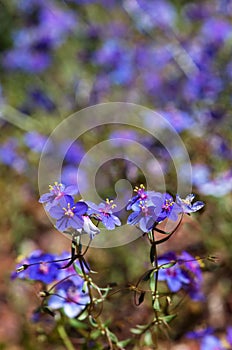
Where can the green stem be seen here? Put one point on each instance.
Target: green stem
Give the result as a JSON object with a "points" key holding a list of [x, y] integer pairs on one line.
{"points": [[64, 337]]}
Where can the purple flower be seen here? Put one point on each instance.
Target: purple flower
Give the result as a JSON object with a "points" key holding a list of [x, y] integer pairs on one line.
{"points": [[38, 269], [69, 214], [70, 297], [103, 213], [145, 213], [229, 335], [57, 192], [186, 204], [141, 195], [174, 276], [35, 141], [10, 157], [208, 341], [192, 269], [219, 186], [184, 274], [169, 209]]}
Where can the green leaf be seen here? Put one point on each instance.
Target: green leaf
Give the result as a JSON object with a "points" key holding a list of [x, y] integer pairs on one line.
{"points": [[156, 304], [167, 318], [136, 331], [124, 343], [83, 315], [77, 324], [77, 269], [148, 338], [93, 322], [95, 334], [166, 266], [112, 336]]}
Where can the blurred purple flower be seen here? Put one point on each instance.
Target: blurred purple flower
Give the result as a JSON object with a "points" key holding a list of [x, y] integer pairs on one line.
{"points": [[68, 214], [208, 341], [70, 297], [104, 213], [174, 276], [184, 274], [10, 157], [35, 141], [44, 272], [219, 186]]}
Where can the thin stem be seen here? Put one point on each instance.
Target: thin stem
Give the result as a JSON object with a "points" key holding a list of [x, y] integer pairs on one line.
{"points": [[64, 336]]}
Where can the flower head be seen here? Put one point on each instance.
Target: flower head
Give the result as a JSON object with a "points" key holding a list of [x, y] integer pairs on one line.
{"points": [[141, 195], [69, 214], [104, 213], [168, 208], [186, 204], [70, 297], [144, 214], [40, 267], [57, 192]]}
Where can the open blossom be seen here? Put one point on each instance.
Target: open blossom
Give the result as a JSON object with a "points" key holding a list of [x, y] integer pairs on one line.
{"points": [[145, 214], [70, 297], [57, 191], [69, 214], [169, 208], [141, 195], [104, 213], [186, 204], [184, 274], [41, 267]]}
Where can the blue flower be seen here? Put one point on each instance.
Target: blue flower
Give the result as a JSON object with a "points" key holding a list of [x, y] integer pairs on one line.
{"points": [[186, 204], [69, 297], [103, 213], [35, 141], [145, 213], [69, 214], [141, 195], [57, 192], [174, 276], [208, 341], [169, 209], [40, 267], [184, 274]]}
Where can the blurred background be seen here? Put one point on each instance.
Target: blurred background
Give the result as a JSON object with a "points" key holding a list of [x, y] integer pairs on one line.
{"points": [[58, 57]]}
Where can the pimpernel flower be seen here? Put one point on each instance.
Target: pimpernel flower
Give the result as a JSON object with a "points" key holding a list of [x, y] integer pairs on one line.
{"points": [[38, 267], [57, 191], [169, 209], [145, 214], [174, 276], [103, 213], [70, 297], [69, 214], [141, 195], [184, 274], [186, 204]]}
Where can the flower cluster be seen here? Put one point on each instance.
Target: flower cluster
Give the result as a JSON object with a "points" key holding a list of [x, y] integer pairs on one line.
{"points": [[68, 293], [60, 205], [151, 208]]}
